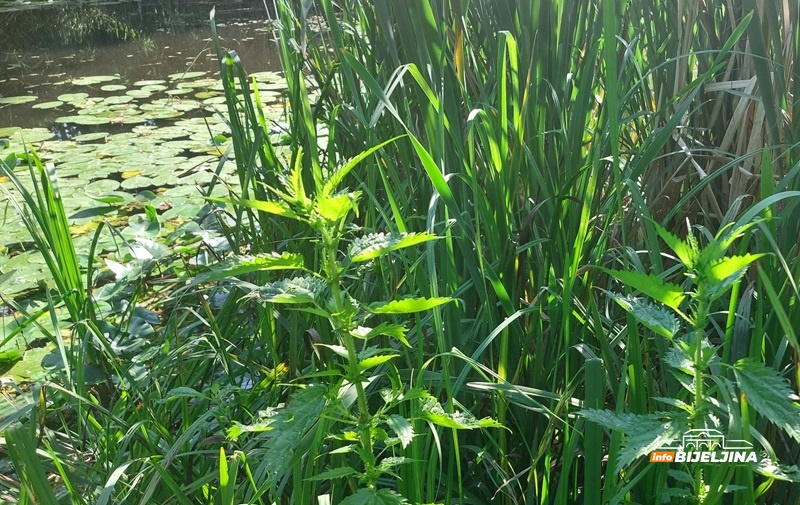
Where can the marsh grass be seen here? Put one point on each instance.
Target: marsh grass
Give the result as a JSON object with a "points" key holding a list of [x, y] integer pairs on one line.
{"points": [[546, 144]]}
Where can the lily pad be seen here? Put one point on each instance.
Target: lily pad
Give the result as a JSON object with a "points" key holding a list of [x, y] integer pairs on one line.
{"points": [[31, 135], [16, 100], [94, 79], [154, 88], [48, 105], [149, 82], [9, 130], [182, 76], [179, 91], [73, 97], [89, 137], [137, 182], [138, 93], [31, 368], [113, 87], [83, 120], [118, 100]]}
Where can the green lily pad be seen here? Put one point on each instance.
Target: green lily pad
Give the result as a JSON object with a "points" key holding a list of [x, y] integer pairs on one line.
{"points": [[48, 105], [140, 226], [179, 91], [31, 135], [113, 87], [16, 100], [89, 137], [83, 120], [73, 97], [149, 82], [137, 182], [138, 93], [103, 186], [267, 76], [30, 368], [9, 130], [154, 88], [94, 79], [201, 83], [118, 100], [182, 76]]}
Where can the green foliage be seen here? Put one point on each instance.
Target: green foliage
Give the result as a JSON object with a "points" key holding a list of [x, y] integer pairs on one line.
{"points": [[711, 275], [769, 394], [533, 173]]}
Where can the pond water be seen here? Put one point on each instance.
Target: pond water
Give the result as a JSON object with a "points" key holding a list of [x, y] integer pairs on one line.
{"points": [[130, 126], [41, 75]]}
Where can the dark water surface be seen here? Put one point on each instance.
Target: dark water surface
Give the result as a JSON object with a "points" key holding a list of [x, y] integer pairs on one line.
{"points": [[48, 73]]}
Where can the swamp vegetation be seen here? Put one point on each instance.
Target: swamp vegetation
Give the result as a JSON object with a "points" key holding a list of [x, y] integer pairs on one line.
{"points": [[487, 251]]}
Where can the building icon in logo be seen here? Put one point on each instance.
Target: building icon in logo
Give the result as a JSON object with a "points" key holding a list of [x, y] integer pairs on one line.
{"points": [[706, 439], [705, 445]]}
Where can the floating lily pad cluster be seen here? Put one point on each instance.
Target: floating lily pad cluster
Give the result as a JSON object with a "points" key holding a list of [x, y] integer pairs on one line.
{"points": [[152, 142]]}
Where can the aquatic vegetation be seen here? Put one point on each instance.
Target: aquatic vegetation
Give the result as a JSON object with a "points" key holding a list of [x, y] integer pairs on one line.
{"points": [[438, 218]]}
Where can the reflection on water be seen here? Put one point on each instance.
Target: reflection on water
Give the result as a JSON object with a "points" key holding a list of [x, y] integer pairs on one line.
{"points": [[49, 23], [48, 73]]}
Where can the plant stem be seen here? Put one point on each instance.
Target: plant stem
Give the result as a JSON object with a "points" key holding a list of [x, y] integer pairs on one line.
{"points": [[343, 326], [701, 316]]}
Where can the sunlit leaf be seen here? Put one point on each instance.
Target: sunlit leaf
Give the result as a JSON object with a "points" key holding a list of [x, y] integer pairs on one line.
{"points": [[655, 287], [242, 265], [375, 245], [720, 270], [407, 305], [402, 428]]}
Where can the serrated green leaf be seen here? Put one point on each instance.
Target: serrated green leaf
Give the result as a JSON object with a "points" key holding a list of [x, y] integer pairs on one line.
{"points": [[295, 187], [643, 433], [241, 265], [402, 428], [407, 305], [657, 319], [724, 239], [373, 361], [432, 411], [375, 245], [769, 394], [655, 287], [335, 208], [396, 331], [393, 461], [374, 497], [682, 250], [332, 474], [270, 207], [721, 270], [288, 429], [297, 290], [184, 392], [773, 470]]}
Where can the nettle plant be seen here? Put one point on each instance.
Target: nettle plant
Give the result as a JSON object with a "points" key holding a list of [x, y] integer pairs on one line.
{"points": [[716, 395], [372, 431]]}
